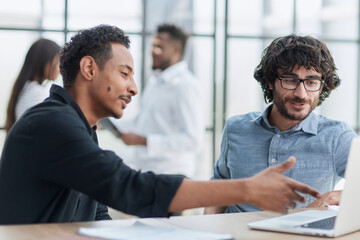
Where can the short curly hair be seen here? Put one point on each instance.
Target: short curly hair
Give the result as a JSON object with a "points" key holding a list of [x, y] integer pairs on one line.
{"points": [[287, 52], [94, 42]]}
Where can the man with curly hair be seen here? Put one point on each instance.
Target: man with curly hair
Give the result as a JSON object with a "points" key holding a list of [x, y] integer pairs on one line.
{"points": [[296, 74], [52, 169]]}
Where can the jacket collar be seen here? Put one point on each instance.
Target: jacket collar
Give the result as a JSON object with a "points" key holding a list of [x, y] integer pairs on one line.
{"points": [[60, 94]]}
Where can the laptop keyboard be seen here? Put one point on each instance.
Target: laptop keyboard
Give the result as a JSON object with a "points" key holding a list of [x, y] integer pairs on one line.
{"points": [[327, 223]]}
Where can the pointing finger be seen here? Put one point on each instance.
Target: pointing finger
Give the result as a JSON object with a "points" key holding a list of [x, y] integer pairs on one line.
{"points": [[305, 189], [285, 166]]}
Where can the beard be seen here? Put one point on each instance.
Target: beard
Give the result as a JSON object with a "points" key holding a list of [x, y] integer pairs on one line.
{"points": [[161, 65], [117, 116], [280, 102]]}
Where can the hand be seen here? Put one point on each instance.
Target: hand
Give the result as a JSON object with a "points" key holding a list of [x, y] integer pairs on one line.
{"points": [[329, 198], [133, 139], [214, 210], [270, 190]]}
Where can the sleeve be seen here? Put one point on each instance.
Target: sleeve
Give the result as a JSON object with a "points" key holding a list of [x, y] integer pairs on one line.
{"points": [[102, 212], [221, 170], [71, 159], [188, 118], [342, 147]]}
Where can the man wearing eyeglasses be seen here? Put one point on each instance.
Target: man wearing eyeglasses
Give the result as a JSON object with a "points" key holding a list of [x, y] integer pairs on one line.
{"points": [[296, 74]]}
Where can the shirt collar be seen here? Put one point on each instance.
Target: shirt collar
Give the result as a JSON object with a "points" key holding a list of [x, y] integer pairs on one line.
{"points": [[308, 125], [171, 72], [60, 94]]}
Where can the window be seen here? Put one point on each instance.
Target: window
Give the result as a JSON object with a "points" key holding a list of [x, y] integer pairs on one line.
{"points": [[227, 39]]}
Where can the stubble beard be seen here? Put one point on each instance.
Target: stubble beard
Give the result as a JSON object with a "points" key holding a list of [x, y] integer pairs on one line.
{"points": [[118, 116], [162, 66], [280, 104]]}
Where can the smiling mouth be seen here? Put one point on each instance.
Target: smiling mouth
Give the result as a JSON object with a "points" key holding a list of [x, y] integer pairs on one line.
{"points": [[298, 104], [127, 100]]}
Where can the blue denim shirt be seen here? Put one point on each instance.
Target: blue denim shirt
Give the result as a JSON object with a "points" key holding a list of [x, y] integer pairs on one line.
{"points": [[250, 144]]}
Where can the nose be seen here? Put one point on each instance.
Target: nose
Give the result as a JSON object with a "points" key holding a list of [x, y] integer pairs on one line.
{"points": [[156, 51], [133, 89], [300, 91]]}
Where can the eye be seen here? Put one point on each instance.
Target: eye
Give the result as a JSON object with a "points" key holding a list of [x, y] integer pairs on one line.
{"points": [[125, 74], [313, 82], [289, 80]]}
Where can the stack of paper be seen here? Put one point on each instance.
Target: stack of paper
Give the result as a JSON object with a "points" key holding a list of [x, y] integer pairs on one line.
{"points": [[140, 231]]}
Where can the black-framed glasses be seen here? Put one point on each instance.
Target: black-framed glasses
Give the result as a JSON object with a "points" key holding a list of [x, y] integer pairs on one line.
{"points": [[291, 83]]}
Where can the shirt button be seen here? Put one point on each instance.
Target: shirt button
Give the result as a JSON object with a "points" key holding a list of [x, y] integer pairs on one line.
{"points": [[278, 134], [273, 160]]}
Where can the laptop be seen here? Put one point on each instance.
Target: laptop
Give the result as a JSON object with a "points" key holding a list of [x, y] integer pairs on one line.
{"points": [[327, 223]]}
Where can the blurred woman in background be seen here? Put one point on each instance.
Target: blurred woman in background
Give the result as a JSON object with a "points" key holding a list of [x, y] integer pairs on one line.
{"points": [[32, 86]]}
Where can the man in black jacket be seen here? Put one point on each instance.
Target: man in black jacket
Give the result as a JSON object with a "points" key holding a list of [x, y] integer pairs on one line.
{"points": [[52, 169]]}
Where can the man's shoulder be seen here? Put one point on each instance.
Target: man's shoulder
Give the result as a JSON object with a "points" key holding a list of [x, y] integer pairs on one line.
{"points": [[186, 82], [49, 118], [187, 77], [323, 120], [335, 126], [51, 106], [243, 118], [49, 112]]}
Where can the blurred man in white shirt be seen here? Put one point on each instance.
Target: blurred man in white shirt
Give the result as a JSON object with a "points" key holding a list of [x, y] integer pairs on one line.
{"points": [[168, 131]]}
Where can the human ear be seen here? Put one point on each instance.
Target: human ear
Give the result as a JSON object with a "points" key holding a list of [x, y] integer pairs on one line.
{"points": [[87, 67], [177, 51], [270, 86]]}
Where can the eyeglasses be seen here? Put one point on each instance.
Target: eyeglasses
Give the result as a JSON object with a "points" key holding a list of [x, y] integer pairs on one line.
{"points": [[291, 83]]}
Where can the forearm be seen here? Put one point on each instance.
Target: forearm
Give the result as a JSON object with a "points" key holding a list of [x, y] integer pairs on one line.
{"points": [[133, 139], [268, 190], [193, 194]]}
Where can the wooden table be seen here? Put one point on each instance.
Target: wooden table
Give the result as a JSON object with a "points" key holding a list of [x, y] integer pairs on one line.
{"points": [[235, 224]]}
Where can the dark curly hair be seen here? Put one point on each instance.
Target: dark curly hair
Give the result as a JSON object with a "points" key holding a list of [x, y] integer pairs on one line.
{"points": [[94, 42], [175, 33], [286, 52]]}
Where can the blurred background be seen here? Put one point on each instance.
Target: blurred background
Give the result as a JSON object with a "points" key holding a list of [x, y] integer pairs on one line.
{"points": [[227, 39]]}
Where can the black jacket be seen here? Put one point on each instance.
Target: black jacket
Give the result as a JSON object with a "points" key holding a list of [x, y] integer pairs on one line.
{"points": [[52, 170]]}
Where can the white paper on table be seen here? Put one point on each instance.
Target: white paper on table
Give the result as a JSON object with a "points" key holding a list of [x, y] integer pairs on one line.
{"points": [[140, 231], [334, 208]]}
